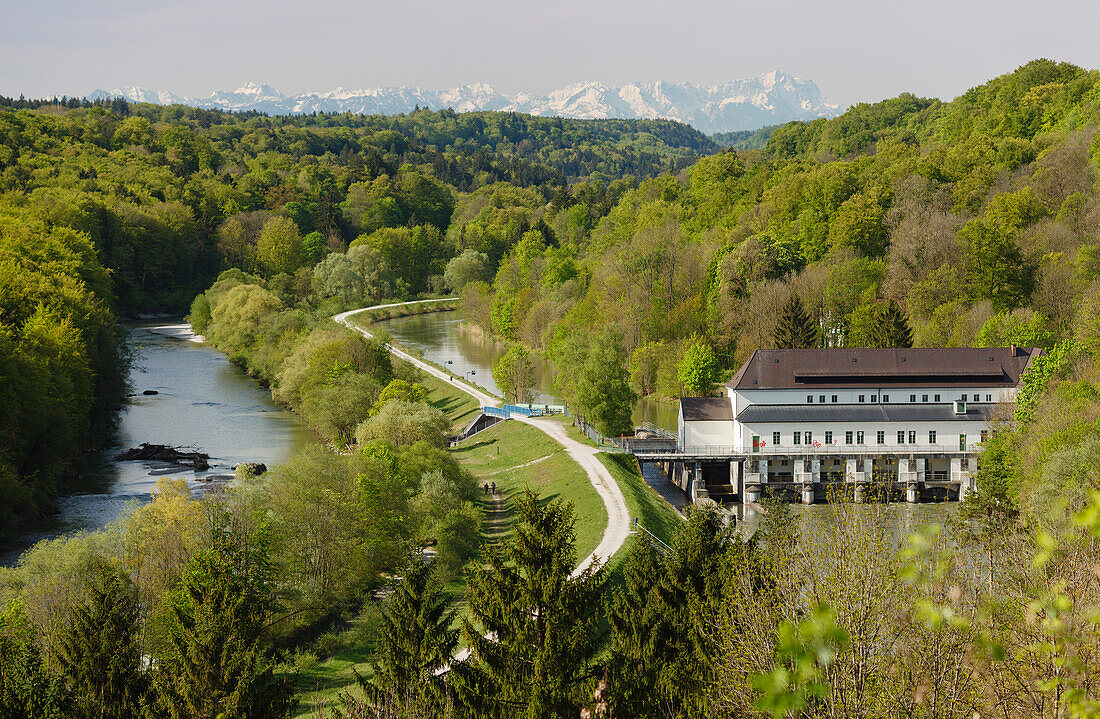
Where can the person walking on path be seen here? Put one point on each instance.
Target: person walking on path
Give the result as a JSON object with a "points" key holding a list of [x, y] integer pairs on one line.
{"points": [[485, 488], [494, 488]]}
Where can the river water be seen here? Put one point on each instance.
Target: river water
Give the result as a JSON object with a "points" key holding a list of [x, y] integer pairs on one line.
{"points": [[443, 338], [202, 401]]}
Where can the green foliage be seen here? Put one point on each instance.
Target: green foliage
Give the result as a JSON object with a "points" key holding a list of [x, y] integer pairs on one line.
{"points": [[530, 617], [795, 329], [804, 652], [100, 651], [218, 666], [1036, 378], [1021, 328], [879, 325], [698, 371], [27, 690], [602, 393], [403, 423], [417, 642], [514, 373]]}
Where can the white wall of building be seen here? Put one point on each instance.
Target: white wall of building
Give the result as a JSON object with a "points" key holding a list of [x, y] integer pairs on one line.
{"points": [[947, 435], [744, 398], [710, 433]]}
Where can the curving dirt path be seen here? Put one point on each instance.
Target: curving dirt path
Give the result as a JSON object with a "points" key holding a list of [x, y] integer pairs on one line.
{"points": [[618, 517]]}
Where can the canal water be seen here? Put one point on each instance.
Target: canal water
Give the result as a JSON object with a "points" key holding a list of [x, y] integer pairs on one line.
{"points": [[445, 339], [202, 401]]}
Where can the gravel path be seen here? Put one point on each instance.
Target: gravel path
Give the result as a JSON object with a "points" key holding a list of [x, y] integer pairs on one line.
{"points": [[618, 517]]}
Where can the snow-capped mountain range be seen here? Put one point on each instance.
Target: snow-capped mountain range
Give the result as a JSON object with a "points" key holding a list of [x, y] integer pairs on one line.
{"points": [[747, 104]]}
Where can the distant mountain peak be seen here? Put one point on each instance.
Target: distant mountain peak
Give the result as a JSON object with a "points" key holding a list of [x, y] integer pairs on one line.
{"points": [[745, 104]]}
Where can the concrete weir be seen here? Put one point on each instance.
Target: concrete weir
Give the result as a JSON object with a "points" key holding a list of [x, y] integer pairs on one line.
{"points": [[744, 478]]}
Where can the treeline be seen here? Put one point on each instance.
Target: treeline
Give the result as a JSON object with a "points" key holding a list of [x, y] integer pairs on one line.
{"points": [[966, 223], [172, 195], [62, 369]]}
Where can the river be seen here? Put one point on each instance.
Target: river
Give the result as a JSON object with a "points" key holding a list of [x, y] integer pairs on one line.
{"points": [[443, 338], [202, 401]]}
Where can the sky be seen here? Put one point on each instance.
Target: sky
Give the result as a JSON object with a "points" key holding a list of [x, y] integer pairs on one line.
{"points": [[855, 50]]}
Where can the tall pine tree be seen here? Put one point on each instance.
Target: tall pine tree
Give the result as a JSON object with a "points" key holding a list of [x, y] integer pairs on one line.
{"points": [[531, 621], [795, 329], [100, 653], [895, 327], [219, 666], [417, 642]]}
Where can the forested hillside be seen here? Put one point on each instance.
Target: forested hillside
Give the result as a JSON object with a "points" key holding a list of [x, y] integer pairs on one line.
{"points": [[967, 223]]}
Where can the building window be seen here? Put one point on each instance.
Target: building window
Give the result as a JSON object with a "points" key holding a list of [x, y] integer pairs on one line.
{"points": [[937, 398], [885, 398], [901, 436], [989, 398], [798, 438], [859, 437], [775, 438], [984, 433], [881, 437], [828, 438], [874, 398], [834, 399], [924, 398], [821, 399], [977, 398], [809, 438], [931, 436], [861, 398], [809, 399], [913, 398], [847, 438], [912, 437]]}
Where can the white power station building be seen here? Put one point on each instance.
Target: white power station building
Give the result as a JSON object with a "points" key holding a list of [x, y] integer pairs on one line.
{"points": [[914, 417]]}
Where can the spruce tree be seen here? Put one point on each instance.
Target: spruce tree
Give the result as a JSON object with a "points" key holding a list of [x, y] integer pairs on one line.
{"points": [[531, 621], [218, 666], [795, 329], [99, 652], [634, 661], [417, 642], [27, 690], [663, 648], [895, 327]]}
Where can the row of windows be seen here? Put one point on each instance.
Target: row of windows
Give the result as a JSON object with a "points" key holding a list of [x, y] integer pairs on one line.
{"points": [[886, 398], [807, 437]]}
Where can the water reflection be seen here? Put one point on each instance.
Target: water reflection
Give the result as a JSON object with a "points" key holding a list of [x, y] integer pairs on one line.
{"points": [[445, 339]]}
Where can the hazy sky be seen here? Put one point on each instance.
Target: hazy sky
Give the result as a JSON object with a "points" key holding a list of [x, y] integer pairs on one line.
{"points": [[853, 49]]}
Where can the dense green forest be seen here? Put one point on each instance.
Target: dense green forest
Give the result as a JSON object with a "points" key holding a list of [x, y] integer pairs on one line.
{"points": [[111, 209]]}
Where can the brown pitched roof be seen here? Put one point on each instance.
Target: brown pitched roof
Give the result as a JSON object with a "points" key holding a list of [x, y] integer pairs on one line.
{"points": [[886, 368], [702, 409]]}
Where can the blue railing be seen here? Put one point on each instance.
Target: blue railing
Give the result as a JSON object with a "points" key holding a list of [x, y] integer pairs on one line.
{"points": [[497, 412], [525, 410]]}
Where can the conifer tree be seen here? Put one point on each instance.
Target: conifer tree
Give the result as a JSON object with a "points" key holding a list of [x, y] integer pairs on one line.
{"points": [[27, 690], [218, 666], [895, 327], [634, 661], [663, 649], [99, 652], [417, 642], [531, 621], [795, 329]]}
